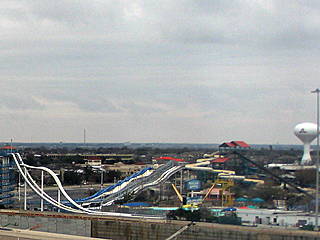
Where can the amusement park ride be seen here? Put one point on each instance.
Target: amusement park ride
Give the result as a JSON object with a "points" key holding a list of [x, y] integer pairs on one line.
{"points": [[147, 177], [143, 179], [224, 186]]}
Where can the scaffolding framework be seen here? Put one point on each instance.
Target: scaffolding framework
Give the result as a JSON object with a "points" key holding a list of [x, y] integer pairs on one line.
{"points": [[7, 178]]}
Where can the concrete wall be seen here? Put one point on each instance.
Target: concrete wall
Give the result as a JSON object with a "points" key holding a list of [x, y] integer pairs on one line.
{"points": [[47, 224], [120, 230], [141, 229]]}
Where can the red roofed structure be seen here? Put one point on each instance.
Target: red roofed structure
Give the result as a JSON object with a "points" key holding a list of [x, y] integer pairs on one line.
{"points": [[171, 158], [241, 144], [220, 160], [227, 144], [7, 147], [234, 144]]}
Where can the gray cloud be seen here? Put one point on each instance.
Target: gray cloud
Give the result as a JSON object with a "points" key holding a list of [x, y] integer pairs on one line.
{"points": [[13, 102], [186, 71]]}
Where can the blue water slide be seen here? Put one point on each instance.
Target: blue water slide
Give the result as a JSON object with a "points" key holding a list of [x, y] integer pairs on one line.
{"points": [[110, 188]]}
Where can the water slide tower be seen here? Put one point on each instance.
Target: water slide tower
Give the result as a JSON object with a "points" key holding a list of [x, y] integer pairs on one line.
{"points": [[306, 132]]}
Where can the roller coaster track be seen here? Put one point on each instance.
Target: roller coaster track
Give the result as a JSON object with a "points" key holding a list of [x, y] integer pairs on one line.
{"points": [[133, 185]]}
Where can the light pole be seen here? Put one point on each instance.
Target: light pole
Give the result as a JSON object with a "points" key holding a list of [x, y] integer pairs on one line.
{"points": [[101, 178], [316, 227]]}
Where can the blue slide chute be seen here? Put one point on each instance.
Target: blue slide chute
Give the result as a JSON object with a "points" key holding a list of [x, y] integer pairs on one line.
{"points": [[110, 188]]}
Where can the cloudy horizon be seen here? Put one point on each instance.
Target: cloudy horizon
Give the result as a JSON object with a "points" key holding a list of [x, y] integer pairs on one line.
{"points": [[158, 71]]}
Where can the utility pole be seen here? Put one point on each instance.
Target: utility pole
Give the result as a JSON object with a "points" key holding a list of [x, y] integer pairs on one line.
{"points": [[316, 227]]}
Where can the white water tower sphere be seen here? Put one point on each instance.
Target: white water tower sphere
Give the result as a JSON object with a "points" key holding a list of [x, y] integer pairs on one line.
{"points": [[306, 132]]}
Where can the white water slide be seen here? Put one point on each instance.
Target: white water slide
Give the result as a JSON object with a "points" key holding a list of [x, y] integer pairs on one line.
{"points": [[133, 185]]}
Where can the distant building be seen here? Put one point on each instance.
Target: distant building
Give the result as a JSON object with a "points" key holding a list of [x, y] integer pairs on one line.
{"points": [[116, 157], [275, 217], [93, 161], [106, 158]]}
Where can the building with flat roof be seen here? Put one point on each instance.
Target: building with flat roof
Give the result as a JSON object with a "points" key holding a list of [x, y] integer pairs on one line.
{"points": [[275, 217]]}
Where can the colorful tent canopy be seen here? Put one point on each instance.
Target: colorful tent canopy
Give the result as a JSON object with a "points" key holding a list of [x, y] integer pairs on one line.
{"points": [[244, 207], [241, 199], [257, 200], [253, 207]]}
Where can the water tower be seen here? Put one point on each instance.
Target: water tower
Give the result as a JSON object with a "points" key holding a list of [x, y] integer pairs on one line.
{"points": [[306, 132]]}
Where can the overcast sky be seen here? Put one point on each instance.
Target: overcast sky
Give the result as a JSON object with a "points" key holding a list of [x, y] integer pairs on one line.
{"points": [[201, 71]]}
